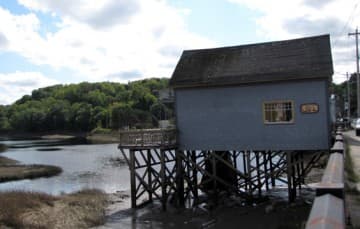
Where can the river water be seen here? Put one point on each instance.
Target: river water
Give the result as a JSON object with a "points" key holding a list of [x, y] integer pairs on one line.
{"points": [[84, 166]]}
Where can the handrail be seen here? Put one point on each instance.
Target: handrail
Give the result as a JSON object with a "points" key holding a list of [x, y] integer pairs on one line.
{"points": [[147, 137]]}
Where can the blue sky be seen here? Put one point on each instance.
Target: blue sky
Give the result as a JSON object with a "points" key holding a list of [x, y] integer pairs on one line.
{"points": [[45, 42]]}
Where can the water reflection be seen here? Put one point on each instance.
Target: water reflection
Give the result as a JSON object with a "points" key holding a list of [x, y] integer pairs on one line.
{"points": [[84, 166]]}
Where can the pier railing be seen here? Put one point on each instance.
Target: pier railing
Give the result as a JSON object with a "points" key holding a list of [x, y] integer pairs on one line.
{"points": [[147, 137]]}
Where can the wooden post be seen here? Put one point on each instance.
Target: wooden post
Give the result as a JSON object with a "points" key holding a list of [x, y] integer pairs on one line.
{"points": [[234, 156], [194, 177], [163, 179], [248, 155], [265, 171], [302, 168], [149, 171], [132, 179], [213, 163], [180, 177], [245, 170], [258, 173], [190, 187], [299, 175], [272, 175], [293, 171], [289, 176]]}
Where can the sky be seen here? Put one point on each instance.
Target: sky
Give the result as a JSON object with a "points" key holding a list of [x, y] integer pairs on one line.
{"points": [[47, 42]]}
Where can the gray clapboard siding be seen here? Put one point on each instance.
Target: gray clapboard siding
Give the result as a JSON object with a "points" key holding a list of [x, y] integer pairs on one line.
{"points": [[231, 118]]}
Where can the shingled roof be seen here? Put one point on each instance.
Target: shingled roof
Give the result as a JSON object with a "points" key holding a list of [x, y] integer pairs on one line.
{"points": [[304, 58]]}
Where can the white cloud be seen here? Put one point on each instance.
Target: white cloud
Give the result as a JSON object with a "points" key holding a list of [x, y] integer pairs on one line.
{"points": [[14, 85], [98, 14], [291, 19], [102, 39], [3, 41]]}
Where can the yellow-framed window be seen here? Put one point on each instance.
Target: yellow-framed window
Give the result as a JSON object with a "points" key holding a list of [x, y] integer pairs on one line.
{"points": [[278, 112]]}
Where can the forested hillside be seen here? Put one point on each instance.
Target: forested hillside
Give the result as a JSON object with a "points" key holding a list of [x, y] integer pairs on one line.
{"points": [[85, 106]]}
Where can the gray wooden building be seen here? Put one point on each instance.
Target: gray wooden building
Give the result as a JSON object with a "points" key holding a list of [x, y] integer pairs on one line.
{"points": [[267, 96]]}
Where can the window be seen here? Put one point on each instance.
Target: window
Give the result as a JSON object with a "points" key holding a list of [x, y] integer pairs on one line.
{"points": [[278, 112]]}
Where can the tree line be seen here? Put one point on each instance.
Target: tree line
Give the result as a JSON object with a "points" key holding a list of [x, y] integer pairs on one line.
{"points": [[341, 93], [86, 106]]}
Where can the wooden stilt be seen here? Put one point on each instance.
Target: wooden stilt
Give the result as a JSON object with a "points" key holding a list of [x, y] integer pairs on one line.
{"points": [[266, 171], [293, 173], [249, 172], [302, 167], [163, 180], [180, 178], [214, 173], [244, 157], [289, 176], [298, 179], [272, 177], [257, 156], [194, 177], [149, 169], [159, 173], [132, 179]]}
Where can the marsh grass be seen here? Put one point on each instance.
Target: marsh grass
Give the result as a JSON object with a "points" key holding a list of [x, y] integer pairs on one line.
{"points": [[7, 161], [349, 167], [18, 172], [82, 209], [17, 203]]}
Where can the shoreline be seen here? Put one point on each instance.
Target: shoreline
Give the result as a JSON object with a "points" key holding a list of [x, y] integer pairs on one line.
{"points": [[12, 170], [60, 135], [96, 138]]}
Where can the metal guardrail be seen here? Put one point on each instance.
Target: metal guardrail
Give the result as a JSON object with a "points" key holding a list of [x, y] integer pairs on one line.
{"points": [[147, 137], [328, 210]]}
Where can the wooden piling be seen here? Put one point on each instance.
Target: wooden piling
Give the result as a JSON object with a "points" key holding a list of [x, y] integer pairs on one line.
{"points": [[266, 171], [132, 179], [179, 178]]}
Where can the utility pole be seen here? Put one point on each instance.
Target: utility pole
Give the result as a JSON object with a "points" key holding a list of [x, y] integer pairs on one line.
{"points": [[348, 96], [356, 34]]}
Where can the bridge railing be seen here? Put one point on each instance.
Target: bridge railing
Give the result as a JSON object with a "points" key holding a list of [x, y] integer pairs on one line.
{"points": [[328, 210]]}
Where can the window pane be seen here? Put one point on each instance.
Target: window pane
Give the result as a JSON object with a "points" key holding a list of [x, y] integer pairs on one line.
{"points": [[278, 112]]}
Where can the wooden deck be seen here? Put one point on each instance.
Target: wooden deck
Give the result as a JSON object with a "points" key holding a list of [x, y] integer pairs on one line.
{"points": [[148, 138]]}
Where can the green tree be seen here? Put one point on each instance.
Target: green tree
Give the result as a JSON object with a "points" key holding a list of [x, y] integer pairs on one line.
{"points": [[122, 115], [29, 116], [80, 117], [160, 111], [84, 106], [101, 117], [4, 122]]}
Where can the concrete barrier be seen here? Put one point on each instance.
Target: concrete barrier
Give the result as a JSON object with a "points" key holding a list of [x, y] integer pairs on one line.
{"points": [[327, 212], [332, 181]]}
